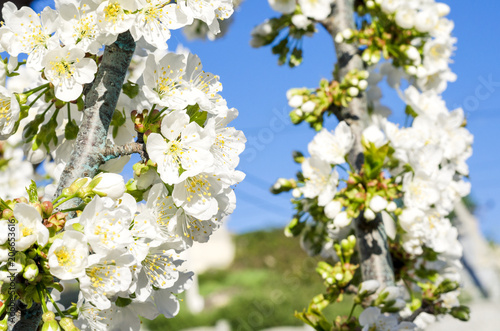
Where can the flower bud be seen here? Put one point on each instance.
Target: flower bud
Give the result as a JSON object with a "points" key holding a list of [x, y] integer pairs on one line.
{"points": [[294, 228], [342, 220], [446, 286], [75, 187], [57, 220], [298, 157], [108, 184], [19, 262], [377, 204], [375, 58], [339, 38], [283, 185], [7, 214], [462, 313], [369, 215], [347, 34], [353, 91], [332, 209], [67, 324], [31, 271], [368, 287], [308, 107], [133, 115], [412, 53], [296, 193], [411, 70], [21, 200], [48, 316], [391, 293], [296, 116], [296, 101], [51, 326], [363, 85], [47, 208], [391, 207], [363, 74], [442, 9], [366, 56], [3, 324], [344, 243], [399, 304]]}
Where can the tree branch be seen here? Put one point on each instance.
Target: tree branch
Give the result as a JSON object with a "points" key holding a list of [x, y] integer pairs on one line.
{"points": [[375, 259], [100, 103], [112, 152]]}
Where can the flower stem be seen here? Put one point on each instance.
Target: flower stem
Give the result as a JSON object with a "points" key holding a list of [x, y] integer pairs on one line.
{"points": [[47, 109], [42, 298], [55, 305], [4, 204], [36, 89], [352, 310], [63, 201], [37, 97], [69, 112], [58, 198]]}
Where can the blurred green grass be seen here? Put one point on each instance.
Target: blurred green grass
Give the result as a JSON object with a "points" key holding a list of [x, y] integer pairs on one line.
{"points": [[270, 278]]}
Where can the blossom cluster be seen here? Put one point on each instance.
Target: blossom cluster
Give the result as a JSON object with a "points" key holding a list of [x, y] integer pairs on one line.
{"points": [[412, 175], [415, 34], [58, 42], [127, 257]]}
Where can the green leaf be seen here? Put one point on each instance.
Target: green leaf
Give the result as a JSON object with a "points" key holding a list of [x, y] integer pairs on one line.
{"points": [[191, 110], [71, 130], [123, 302], [130, 89], [199, 118], [32, 192]]}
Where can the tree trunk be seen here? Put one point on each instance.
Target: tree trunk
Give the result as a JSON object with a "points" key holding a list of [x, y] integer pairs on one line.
{"points": [[375, 259]]}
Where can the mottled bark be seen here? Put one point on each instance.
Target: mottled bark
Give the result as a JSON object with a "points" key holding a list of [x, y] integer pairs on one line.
{"points": [[100, 103], [113, 152], [375, 259], [87, 156]]}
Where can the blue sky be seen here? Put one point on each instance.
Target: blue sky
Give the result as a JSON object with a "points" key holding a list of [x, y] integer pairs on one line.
{"points": [[256, 86]]}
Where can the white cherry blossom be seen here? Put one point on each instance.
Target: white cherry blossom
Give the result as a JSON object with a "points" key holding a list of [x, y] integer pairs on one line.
{"points": [[68, 69], [68, 256], [29, 228], [330, 147], [182, 150]]}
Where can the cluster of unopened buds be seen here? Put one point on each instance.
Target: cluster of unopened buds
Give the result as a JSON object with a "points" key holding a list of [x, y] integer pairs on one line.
{"points": [[372, 195], [340, 274], [146, 122], [310, 105]]}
